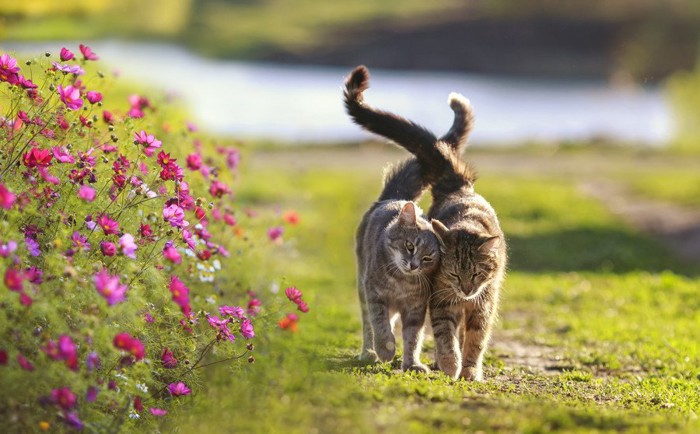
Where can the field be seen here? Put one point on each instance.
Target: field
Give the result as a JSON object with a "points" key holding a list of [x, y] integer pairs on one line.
{"points": [[598, 329]]}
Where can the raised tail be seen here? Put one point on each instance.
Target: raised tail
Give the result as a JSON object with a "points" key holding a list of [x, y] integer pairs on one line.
{"points": [[456, 138]]}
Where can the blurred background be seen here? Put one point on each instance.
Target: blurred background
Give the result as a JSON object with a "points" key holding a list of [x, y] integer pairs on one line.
{"points": [[536, 70]]}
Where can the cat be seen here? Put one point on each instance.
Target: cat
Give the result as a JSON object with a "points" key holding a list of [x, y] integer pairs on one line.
{"points": [[396, 247], [465, 289]]}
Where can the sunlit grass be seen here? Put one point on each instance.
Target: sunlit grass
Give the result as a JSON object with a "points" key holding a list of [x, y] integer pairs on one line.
{"points": [[613, 305]]}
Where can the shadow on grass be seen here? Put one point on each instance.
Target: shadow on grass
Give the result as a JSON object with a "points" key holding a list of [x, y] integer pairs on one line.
{"points": [[596, 249]]}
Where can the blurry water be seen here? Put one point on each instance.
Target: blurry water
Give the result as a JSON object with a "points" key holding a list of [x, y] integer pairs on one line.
{"points": [[303, 103]]}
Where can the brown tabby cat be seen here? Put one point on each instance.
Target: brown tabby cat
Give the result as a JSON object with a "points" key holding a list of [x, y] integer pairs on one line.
{"points": [[397, 250], [465, 296]]}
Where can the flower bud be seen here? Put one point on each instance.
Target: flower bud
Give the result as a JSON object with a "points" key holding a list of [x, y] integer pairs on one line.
{"points": [[251, 359]]}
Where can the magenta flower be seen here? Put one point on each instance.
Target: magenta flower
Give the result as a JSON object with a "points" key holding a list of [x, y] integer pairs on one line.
{"points": [[194, 161], [108, 225], [178, 389], [175, 215], [61, 154], [7, 198], [218, 189], [168, 359], [6, 249], [128, 246], [109, 287], [8, 69], [221, 326], [86, 193], [68, 351], [158, 411], [66, 54], [88, 54], [275, 233], [124, 341], [233, 311], [64, 398], [36, 157], [148, 318], [292, 293], [149, 142], [91, 394], [69, 69], [254, 307], [72, 420], [14, 279], [171, 254], [93, 362], [247, 329], [108, 248], [93, 97], [181, 294], [80, 242], [24, 363], [70, 96]]}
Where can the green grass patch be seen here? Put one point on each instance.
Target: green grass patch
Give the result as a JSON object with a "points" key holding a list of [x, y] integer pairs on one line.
{"points": [[617, 312]]}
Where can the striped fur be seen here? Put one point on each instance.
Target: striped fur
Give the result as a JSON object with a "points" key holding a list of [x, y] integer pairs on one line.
{"points": [[464, 299]]}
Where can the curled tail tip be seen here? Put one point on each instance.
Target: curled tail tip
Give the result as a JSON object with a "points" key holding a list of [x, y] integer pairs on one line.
{"points": [[358, 80], [458, 101]]}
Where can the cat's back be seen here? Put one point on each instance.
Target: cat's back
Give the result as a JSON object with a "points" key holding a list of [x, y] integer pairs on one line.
{"points": [[467, 211]]}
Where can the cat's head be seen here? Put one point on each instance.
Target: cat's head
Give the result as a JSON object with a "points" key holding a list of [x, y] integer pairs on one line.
{"points": [[470, 261], [412, 245]]}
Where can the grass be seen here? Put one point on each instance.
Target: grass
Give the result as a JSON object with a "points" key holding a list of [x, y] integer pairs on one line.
{"points": [[614, 314]]}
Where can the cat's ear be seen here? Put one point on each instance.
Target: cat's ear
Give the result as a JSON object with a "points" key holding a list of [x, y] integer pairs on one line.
{"points": [[440, 229], [489, 244], [407, 216]]}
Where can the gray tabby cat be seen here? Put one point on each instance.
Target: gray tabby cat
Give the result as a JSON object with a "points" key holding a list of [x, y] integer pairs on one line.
{"points": [[397, 250], [465, 292]]}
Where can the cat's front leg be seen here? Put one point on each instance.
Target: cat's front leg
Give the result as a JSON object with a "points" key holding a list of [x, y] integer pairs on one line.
{"points": [[478, 321], [413, 323], [448, 355], [367, 354], [384, 342]]}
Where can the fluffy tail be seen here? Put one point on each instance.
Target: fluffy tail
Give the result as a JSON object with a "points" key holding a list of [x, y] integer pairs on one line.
{"points": [[436, 158], [457, 136]]}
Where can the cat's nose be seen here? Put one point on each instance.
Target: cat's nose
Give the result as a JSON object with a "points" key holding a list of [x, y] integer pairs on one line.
{"points": [[413, 266]]}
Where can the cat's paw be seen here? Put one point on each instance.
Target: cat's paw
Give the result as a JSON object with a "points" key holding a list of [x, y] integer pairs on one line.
{"points": [[368, 356], [416, 367], [386, 352], [471, 373]]}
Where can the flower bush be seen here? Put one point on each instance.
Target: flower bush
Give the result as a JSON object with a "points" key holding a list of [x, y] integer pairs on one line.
{"points": [[111, 238]]}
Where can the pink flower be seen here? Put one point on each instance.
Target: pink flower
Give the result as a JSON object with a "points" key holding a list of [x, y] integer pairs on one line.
{"points": [[93, 361], [124, 341], [87, 52], [14, 279], [108, 248], [70, 96], [8, 69], [234, 311], [109, 287], [68, 69], [68, 351], [221, 326], [66, 54], [91, 394], [194, 161], [158, 411], [7, 248], [148, 318], [128, 246], [171, 254], [218, 189], [254, 307], [32, 246], [181, 294], [86, 193], [61, 154], [292, 293], [7, 198], [175, 215], [168, 359], [93, 97], [275, 233], [36, 157], [108, 225], [149, 141], [178, 389], [64, 398], [24, 363], [247, 329]]}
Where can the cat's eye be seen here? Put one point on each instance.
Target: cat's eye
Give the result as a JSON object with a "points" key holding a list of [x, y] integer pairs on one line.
{"points": [[409, 246], [427, 259]]}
